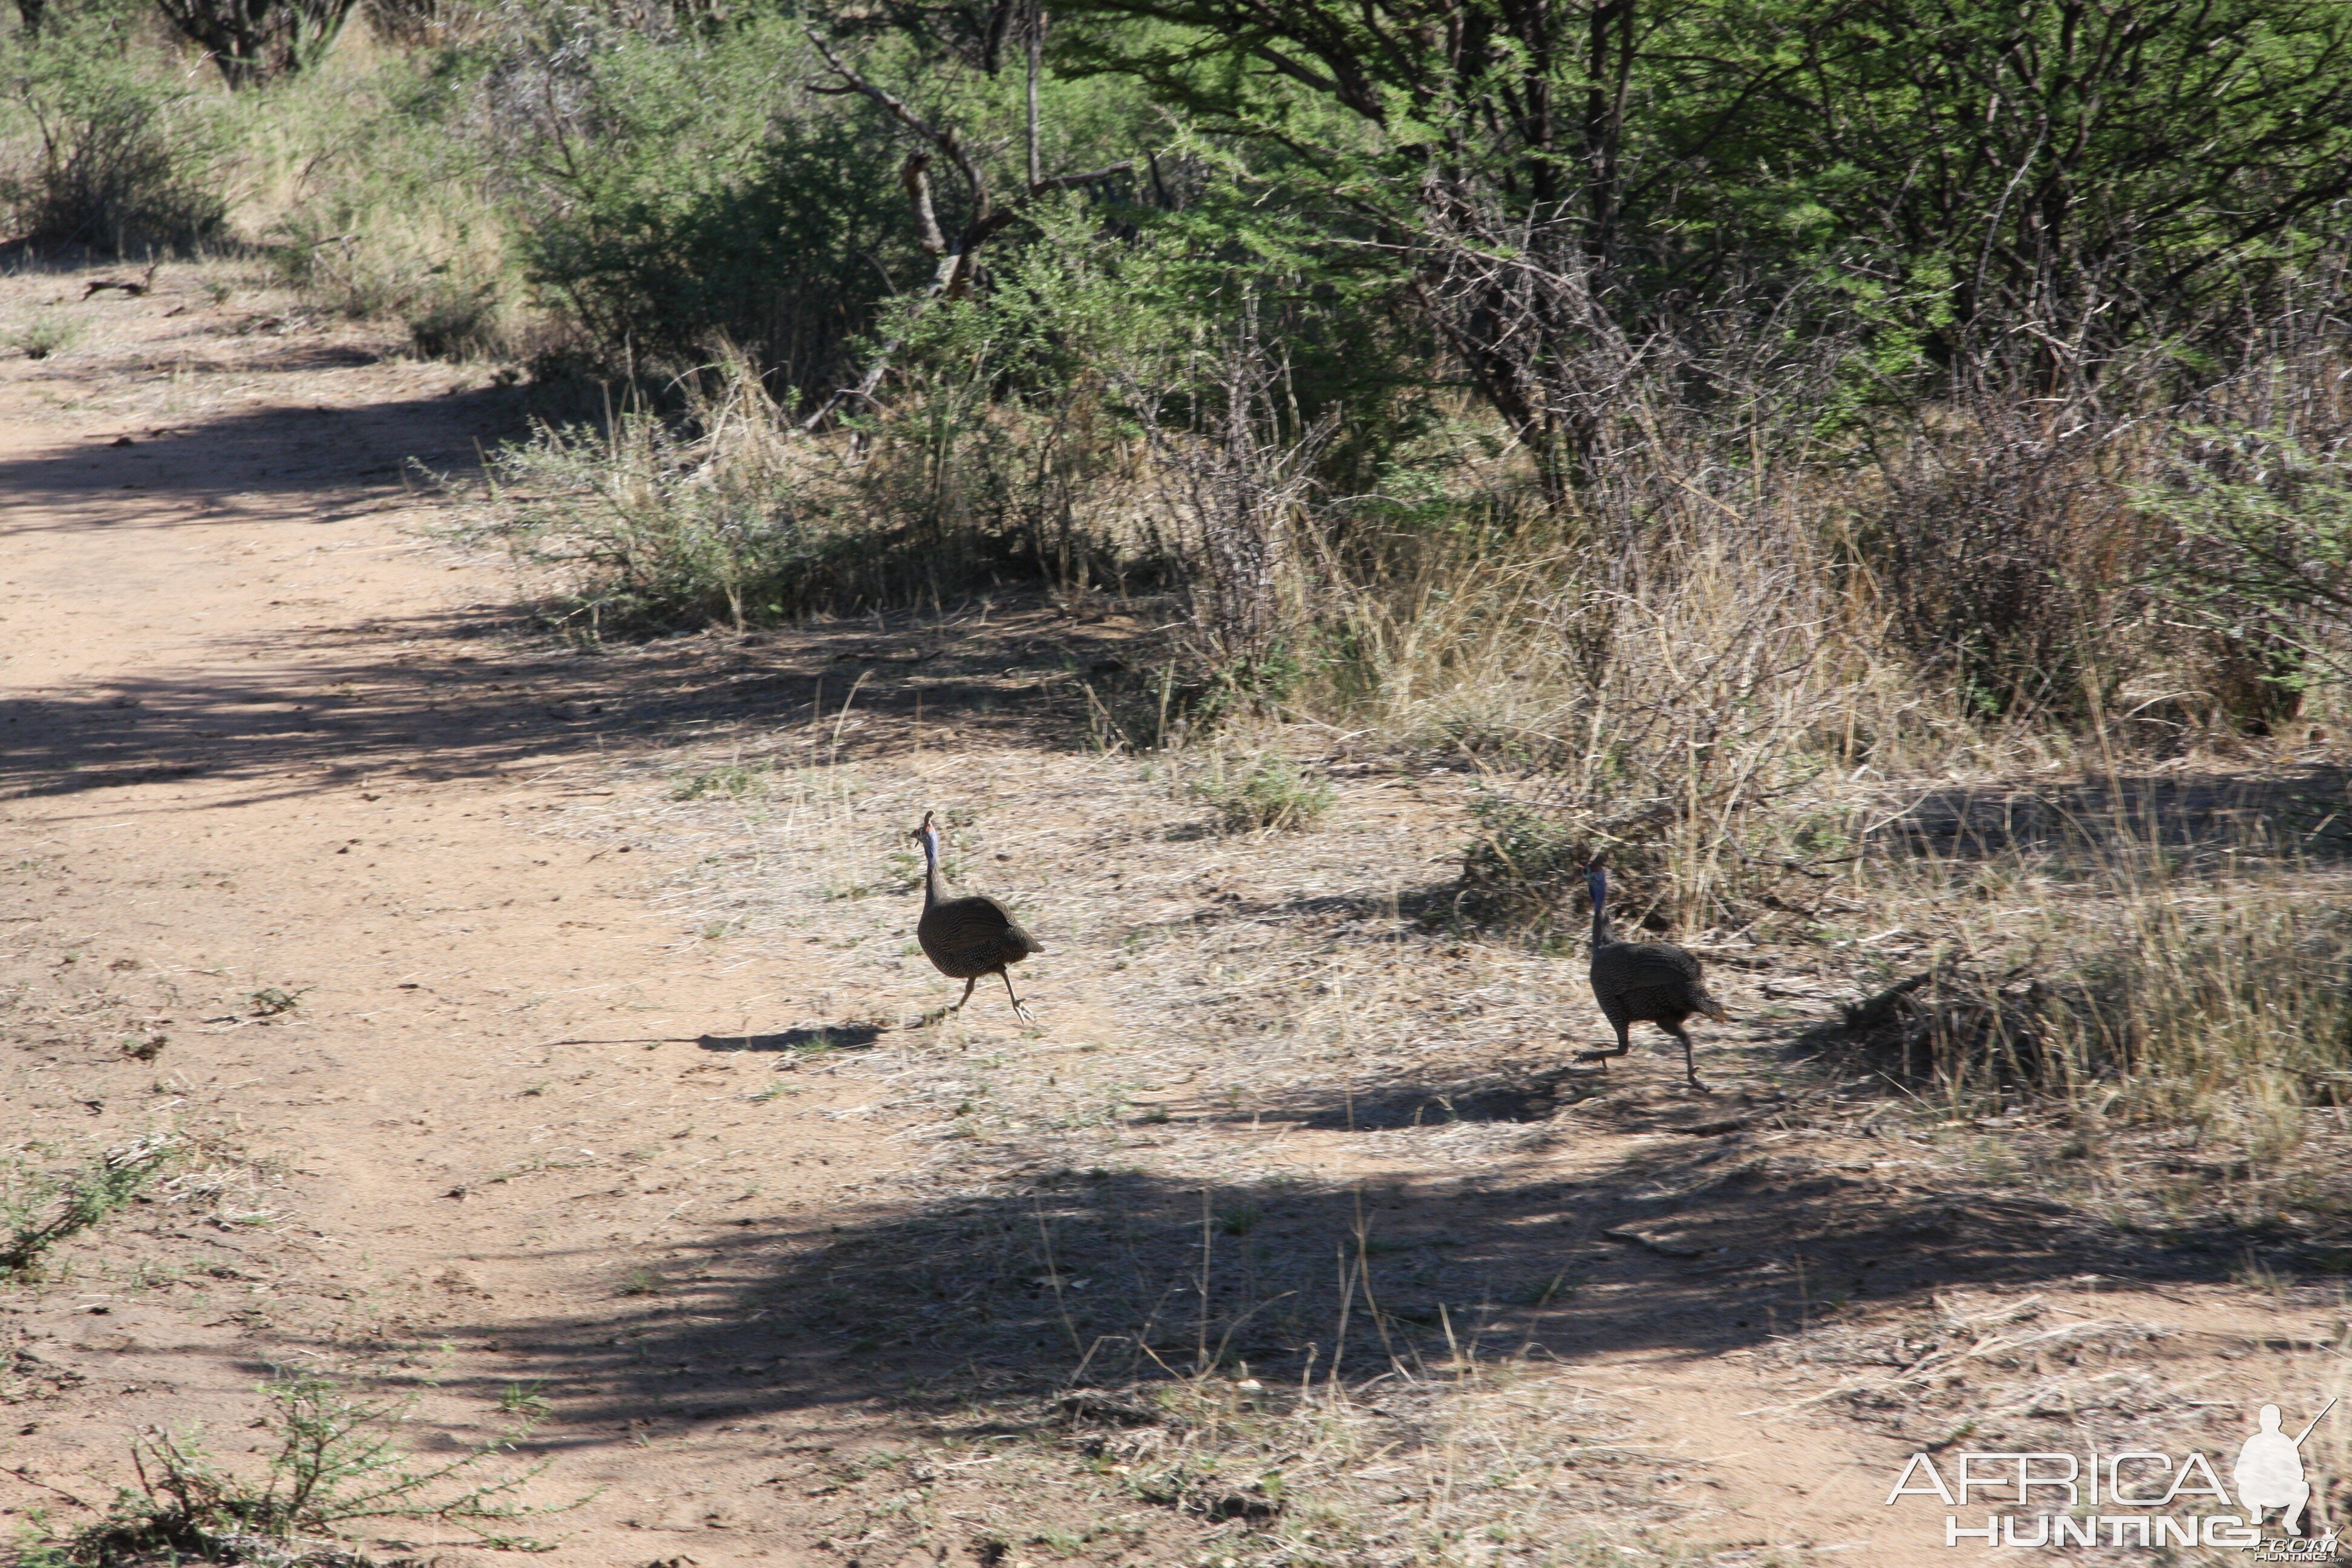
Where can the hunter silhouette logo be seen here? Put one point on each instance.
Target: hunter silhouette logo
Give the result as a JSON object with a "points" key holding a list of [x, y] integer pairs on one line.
{"points": [[2269, 1472], [2078, 1500]]}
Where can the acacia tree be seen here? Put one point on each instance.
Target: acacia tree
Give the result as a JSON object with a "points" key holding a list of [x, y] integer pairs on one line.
{"points": [[1481, 142], [254, 41], [1577, 187], [954, 248], [2036, 185]]}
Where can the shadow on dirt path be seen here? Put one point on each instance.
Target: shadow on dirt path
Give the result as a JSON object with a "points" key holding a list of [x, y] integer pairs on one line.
{"points": [[469, 692], [1695, 1250]]}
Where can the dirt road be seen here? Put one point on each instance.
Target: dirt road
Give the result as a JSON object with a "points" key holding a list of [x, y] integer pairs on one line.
{"points": [[522, 1069]]}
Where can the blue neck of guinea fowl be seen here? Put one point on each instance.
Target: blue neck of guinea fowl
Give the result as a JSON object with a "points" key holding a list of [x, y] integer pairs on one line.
{"points": [[1597, 881], [932, 889]]}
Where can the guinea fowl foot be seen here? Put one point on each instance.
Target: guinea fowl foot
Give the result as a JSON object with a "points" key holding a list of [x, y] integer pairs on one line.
{"points": [[1597, 1056], [1021, 1010]]}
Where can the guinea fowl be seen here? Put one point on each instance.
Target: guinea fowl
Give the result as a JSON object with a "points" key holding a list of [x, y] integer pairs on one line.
{"points": [[1655, 981], [968, 937]]}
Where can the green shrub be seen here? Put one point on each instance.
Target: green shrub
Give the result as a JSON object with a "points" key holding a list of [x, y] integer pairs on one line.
{"points": [[123, 158], [41, 1209], [692, 192], [1525, 868], [1272, 792], [386, 206], [328, 1463], [2263, 556], [46, 334]]}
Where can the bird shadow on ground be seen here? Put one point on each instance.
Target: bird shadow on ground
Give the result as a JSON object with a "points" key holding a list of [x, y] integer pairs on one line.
{"points": [[1486, 1098], [808, 1038]]}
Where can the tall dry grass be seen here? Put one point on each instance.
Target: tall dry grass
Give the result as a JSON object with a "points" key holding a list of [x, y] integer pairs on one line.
{"points": [[2130, 973]]}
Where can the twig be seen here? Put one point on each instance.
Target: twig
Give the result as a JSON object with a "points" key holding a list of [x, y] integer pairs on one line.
{"points": [[31, 1479]]}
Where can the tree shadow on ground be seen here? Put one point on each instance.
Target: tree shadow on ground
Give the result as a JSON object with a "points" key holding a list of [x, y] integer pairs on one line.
{"points": [[1506, 1096], [2303, 810], [461, 695], [1111, 1277], [259, 460], [423, 693]]}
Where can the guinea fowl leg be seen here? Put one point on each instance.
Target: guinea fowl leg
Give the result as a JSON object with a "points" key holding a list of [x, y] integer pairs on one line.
{"points": [[1625, 1043], [968, 984], [1020, 1008], [1690, 1064]]}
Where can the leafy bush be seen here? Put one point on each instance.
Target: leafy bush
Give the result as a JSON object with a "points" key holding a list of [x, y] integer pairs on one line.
{"points": [[693, 190], [123, 158], [1272, 792], [1526, 868], [2263, 555]]}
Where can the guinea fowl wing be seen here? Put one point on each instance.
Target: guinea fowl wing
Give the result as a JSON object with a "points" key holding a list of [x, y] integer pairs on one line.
{"points": [[1652, 980], [972, 935], [1628, 966]]}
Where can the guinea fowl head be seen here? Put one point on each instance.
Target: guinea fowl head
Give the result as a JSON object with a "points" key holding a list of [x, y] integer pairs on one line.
{"points": [[930, 838]]}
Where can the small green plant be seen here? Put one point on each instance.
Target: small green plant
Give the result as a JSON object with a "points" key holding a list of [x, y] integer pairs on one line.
{"points": [[40, 1210], [732, 780], [1273, 793], [523, 1401], [272, 1000], [47, 333], [643, 1282], [332, 1465]]}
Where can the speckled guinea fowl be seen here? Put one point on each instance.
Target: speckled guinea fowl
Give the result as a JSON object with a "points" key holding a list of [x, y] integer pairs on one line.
{"points": [[968, 937], [1653, 980]]}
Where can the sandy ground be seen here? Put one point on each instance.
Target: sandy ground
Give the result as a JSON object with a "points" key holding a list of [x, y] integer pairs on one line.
{"points": [[498, 1065]]}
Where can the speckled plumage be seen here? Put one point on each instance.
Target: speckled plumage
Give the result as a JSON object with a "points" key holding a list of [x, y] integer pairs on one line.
{"points": [[1655, 982], [969, 937]]}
